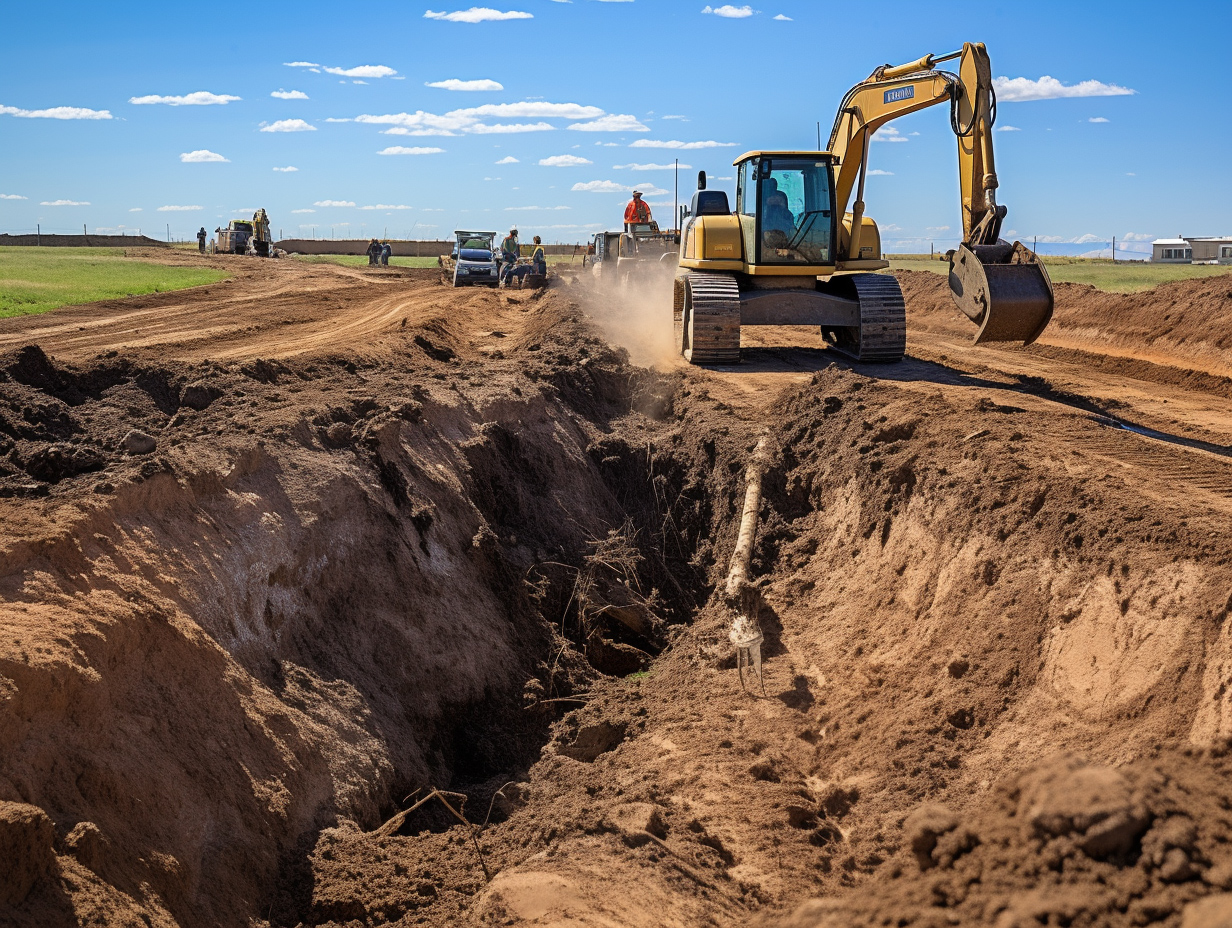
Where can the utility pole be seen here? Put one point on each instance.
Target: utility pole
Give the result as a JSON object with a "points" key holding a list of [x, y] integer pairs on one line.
{"points": [[38, 233], [819, 136], [1114, 249]]}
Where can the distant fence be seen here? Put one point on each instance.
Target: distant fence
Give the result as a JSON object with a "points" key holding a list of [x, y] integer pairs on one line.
{"points": [[83, 241], [403, 249]]}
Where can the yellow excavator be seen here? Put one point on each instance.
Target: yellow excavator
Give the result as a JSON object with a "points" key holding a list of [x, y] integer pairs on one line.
{"points": [[793, 254]]}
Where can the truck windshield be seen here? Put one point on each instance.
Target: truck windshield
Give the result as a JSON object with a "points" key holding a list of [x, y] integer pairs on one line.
{"points": [[794, 215]]}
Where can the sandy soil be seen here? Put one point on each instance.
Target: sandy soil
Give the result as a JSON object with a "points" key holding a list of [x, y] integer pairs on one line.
{"points": [[283, 554]]}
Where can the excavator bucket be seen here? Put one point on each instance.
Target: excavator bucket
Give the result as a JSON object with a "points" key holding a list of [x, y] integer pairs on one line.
{"points": [[1004, 289]]}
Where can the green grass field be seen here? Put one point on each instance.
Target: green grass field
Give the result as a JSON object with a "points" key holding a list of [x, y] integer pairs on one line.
{"points": [[1122, 277], [35, 280]]}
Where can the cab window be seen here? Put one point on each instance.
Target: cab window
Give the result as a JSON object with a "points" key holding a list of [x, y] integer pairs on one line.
{"points": [[795, 211]]}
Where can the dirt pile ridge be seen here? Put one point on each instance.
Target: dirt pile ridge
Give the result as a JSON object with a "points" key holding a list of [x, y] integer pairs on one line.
{"points": [[285, 559], [1185, 324]]}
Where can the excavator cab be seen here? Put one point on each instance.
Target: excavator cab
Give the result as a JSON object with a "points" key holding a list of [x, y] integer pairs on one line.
{"points": [[785, 204]]}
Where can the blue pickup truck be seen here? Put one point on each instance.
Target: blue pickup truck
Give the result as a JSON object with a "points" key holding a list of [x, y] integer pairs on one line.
{"points": [[472, 262]]}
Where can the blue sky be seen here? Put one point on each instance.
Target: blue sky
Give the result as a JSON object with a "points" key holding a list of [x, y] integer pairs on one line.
{"points": [[578, 101]]}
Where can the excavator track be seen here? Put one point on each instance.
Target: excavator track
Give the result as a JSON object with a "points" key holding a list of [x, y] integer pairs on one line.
{"points": [[710, 320], [882, 335]]}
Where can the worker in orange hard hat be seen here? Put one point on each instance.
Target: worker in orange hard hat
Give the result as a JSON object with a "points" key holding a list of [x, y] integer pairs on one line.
{"points": [[638, 210]]}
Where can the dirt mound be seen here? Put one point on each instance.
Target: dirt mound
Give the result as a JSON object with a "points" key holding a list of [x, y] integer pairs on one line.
{"points": [[1186, 323], [332, 582], [392, 537], [945, 606]]}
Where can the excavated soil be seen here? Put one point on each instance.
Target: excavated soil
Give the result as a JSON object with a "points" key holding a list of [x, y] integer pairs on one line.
{"points": [[284, 555]]}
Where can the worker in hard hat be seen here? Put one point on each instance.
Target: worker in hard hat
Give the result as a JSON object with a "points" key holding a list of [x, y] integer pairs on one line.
{"points": [[538, 260], [638, 210], [510, 250]]}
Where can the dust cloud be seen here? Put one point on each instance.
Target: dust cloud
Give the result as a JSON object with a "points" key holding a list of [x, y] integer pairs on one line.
{"points": [[635, 315]]}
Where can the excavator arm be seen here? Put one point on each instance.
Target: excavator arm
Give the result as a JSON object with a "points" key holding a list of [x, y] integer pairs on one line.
{"points": [[1003, 288]]}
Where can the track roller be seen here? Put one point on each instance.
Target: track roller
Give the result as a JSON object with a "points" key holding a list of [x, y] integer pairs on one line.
{"points": [[882, 335], [710, 318]]}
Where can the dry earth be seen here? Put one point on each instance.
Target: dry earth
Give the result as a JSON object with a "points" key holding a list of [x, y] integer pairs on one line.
{"points": [[282, 555]]}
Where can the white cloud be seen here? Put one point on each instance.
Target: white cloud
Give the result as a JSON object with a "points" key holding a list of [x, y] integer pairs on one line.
{"points": [[289, 169], [728, 11], [524, 209], [56, 112], [480, 128], [301, 64], [333, 203], [1008, 129], [784, 19], [611, 123], [530, 109], [681, 118], [477, 14], [1137, 237], [937, 229], [877, 172], [11, 196], [651, 167], [303, 211], [508, 159], [136, 209], [1087, 239], [563, 161], [200, 156], [889, 134], [289, 95], [1021, 89], [386, 206], [454, 84], [363, 70], [609, 186], [400, 150], [1097, 119], [177, 209], [65, 203], [680, 146], [197, 98], [289, 125], [601, 186]]}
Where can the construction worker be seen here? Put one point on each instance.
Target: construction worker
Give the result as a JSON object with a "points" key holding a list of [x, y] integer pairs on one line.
{"points": [[538, 260], [637, 210], [201, 240], [374, 252], [509, 253], [386, 250]]}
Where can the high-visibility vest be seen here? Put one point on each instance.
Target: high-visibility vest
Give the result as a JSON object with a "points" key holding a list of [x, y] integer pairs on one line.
{"points": [[637, 211]]}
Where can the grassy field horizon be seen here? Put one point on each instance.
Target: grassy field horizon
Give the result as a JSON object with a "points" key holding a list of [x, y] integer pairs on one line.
{"points": [[37, 280]]}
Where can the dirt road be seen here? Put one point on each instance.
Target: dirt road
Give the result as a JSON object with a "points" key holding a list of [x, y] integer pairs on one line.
{"points": [[283, 553]]}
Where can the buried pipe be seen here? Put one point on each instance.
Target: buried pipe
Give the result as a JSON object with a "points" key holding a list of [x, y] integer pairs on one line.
{"points": [[742, 596]]}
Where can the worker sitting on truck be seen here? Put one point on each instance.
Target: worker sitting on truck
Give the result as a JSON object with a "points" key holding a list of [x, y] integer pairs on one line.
{"points": [[373, 252], [509, 252], [538, 261], [638, 210]]}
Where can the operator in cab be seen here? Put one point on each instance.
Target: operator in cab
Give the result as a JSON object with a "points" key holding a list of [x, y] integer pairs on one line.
{"points": [[637, 210]]}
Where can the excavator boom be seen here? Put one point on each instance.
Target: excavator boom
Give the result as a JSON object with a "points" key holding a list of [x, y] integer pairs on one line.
{"points": [[1003, 288]]}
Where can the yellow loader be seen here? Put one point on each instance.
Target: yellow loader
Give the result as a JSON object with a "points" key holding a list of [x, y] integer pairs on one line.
{"points": [[791, 253]]}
